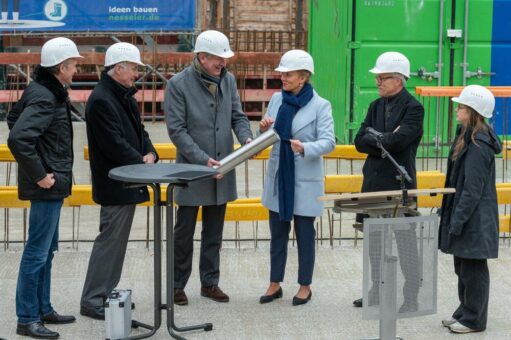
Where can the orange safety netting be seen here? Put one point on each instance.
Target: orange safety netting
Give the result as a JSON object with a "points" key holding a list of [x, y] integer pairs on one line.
{"points": [[452, 91]]}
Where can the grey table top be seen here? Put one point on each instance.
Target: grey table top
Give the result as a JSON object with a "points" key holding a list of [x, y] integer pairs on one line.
{"points": [[161, 173]]}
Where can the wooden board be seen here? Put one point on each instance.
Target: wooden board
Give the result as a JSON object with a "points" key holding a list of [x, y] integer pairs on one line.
{"points": [[384, 194]]}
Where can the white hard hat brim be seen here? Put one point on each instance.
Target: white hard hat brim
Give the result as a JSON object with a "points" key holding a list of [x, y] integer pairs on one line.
{"points": [[376, 70], [283, 69], [60, 62], [286, 69], [126, 61], [461, 101], [225, 55]]}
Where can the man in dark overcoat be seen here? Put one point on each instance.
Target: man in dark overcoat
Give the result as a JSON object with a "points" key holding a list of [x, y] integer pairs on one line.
{"points": [[116, 137], [398, 117]]}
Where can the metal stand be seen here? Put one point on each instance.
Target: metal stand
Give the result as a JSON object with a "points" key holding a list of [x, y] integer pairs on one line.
{"points": [[379, 254], [403, 174], [388, 289], [157, 271], [171, 325], [141, 175], [169, 306]]}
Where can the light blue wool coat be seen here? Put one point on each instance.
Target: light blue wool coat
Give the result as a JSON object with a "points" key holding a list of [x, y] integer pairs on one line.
{"points": [[313, 125]]}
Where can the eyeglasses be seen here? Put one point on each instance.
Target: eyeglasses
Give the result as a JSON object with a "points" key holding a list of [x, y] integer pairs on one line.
{"points": [[380, 79]]}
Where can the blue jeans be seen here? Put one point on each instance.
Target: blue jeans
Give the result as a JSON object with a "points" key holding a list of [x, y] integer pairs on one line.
{"points": [[33, 289], [305, 235]]}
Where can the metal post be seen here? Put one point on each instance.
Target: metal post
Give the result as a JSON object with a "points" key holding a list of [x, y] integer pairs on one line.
{"points": [[171, 325], [226, 15], [388, 289], [465, 45]]}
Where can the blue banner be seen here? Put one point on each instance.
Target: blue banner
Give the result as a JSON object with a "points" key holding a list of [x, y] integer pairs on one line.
{"points": [[98, 15]]}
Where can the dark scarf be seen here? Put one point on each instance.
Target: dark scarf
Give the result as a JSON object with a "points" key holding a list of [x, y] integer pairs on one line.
{"points": [[48, 80], [286, 174], [211, 83], [125, 96], [391, 102]]}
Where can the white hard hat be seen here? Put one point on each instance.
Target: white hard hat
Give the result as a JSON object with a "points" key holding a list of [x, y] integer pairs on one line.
{"points": [[122, 51], [213, 42], [57, 50], [392, 62], [295, 60], [479, 98]]}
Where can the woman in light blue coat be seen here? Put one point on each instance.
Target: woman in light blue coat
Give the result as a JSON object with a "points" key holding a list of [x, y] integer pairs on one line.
{"points": [[294, 179]]}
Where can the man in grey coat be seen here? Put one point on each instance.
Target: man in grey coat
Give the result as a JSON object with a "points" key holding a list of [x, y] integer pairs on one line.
{"points": [[202, 108]]}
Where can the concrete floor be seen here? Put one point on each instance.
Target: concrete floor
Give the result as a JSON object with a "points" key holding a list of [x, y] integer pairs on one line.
{"points": [[244, 276]]}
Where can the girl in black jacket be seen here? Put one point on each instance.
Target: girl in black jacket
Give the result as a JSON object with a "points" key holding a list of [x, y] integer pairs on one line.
{"points": [[469, 223]]}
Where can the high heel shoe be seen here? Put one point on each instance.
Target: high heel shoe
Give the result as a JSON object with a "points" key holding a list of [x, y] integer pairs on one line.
{"points": [[299, 301], [271, 297]]}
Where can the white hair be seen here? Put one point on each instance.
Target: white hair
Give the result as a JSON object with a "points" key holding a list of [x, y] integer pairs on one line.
{"points": [[111, 71], [402, 78]]}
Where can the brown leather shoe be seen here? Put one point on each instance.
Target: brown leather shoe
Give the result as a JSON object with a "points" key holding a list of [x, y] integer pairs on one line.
{"points": [[214, 293], [180, 297]]}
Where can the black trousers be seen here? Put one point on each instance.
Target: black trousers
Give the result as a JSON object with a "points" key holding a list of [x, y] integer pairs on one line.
{"points": [[211, 242], [473, 292], [108, 252], [406, 242], [305, 237]]}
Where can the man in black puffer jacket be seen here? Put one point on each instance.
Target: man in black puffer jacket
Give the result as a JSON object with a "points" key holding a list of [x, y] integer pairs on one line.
{"points": [[116, 137], [41, 140]]}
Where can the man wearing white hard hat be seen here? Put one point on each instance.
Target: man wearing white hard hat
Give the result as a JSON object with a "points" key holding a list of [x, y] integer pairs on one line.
{"points": [[116, 137], [397, 117], [202, 109], [469, 223], [41, 140]]}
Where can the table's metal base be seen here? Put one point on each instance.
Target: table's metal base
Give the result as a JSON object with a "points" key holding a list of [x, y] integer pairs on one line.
{"points": [[169, 306]]}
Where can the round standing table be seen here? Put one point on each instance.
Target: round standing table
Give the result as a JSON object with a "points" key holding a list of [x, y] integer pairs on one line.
{"points": [[154, 175]]}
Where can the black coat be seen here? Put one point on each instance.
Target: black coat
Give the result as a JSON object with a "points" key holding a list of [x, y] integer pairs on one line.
{"points": [[469, 224], [408, 114], [116, 137], [41, 138]]}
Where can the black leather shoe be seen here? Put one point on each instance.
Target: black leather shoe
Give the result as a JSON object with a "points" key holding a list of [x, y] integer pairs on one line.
{"points": [[97, 313], [36, 330], [299, 301], [55, 318], [357, 303], [271, 297]]}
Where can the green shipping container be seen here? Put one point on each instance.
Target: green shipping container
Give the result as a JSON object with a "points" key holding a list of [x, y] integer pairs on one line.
{"points": [[448, 43]]}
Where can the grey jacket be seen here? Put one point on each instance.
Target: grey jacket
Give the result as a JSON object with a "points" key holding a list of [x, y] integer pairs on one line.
{"points": [[201, 126], [313, 125]]}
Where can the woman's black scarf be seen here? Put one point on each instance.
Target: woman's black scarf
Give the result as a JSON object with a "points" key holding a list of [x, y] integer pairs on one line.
{"points": [[286, 174]]}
